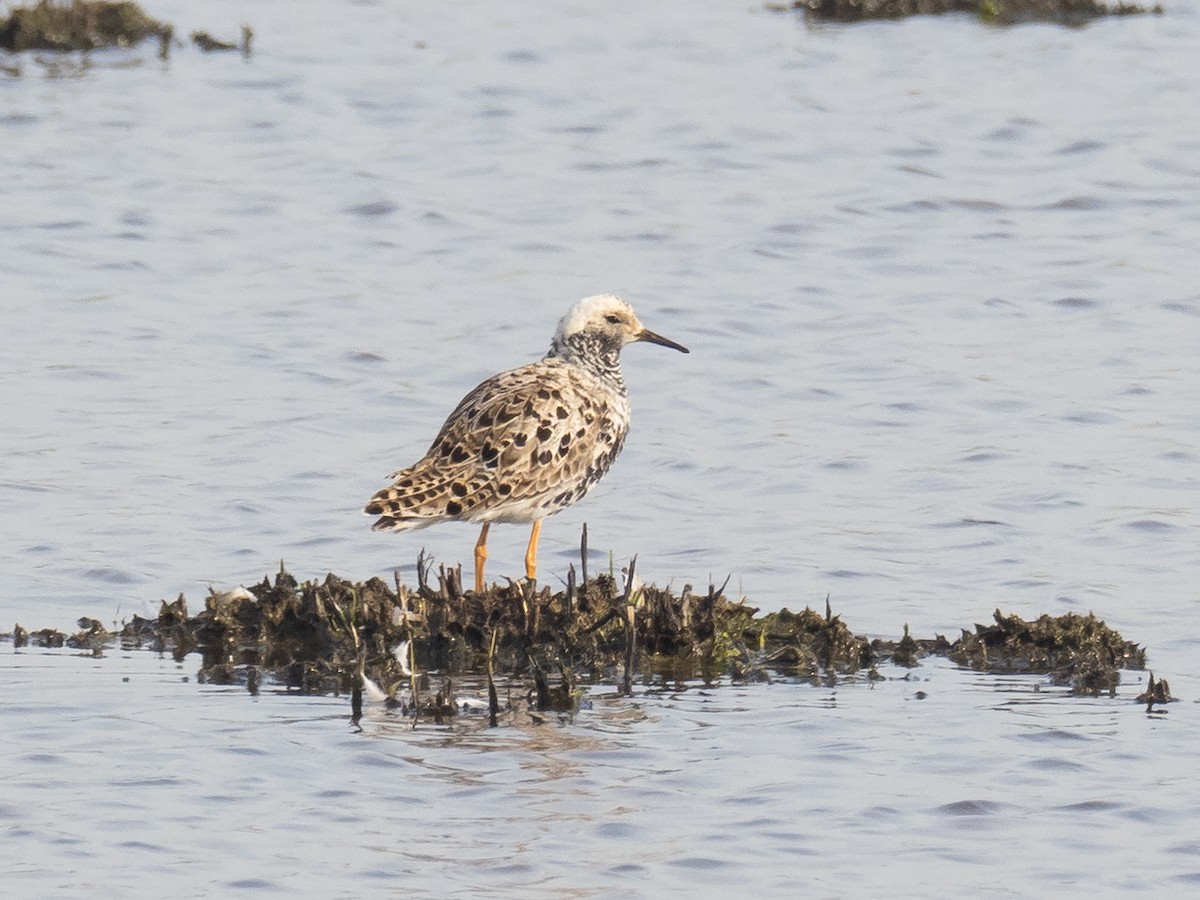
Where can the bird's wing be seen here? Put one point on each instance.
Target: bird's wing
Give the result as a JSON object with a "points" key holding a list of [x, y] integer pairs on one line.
{"points": [[524, 443]]}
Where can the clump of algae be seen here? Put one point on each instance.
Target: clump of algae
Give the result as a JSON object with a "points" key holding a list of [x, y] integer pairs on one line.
{"points": [[1072, 13], [79, 25]]}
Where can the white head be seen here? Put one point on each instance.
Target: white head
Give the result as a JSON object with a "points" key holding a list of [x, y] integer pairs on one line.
{"points": [[606, 323]]}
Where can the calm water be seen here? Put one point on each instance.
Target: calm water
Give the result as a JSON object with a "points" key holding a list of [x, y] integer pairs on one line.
{"points": [[941, 288]]}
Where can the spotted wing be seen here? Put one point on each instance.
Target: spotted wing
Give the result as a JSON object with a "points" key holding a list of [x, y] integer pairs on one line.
{"points": [[522, 445]]}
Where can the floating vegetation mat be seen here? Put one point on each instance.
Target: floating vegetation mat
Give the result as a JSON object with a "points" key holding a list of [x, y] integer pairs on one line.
{"points": [[997, 12], [66, 25], [338, 635], [98, 24], [78, 25]]}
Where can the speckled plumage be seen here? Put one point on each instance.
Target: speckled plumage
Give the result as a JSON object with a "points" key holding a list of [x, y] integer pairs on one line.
{"points": [[528, 442]]}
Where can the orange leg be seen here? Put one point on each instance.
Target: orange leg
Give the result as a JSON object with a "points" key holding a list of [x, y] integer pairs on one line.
{"points": [[480, 557], [531, 553]]}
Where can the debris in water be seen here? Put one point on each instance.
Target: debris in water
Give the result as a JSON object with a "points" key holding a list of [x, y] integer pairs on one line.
{"points": [[371, 640], [83, 25], [1074, 13], [79, 25], [1077, 650], [210, 44], [1156, 692]]}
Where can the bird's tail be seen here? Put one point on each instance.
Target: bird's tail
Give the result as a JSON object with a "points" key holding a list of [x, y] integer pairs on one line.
{"points": [[416, 498]]}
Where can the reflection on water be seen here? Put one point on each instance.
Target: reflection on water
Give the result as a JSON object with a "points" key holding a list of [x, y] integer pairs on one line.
{"points": [[212, 788], [941, 307]]}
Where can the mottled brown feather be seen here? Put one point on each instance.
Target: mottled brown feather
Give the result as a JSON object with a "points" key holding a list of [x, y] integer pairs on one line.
{"points": [[524, 444], [531, 441]]}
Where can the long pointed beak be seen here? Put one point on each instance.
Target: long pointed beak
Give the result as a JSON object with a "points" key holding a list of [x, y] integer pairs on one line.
{"points": [[651, 338]]}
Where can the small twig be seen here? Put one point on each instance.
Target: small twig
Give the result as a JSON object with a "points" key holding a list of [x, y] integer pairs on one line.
{"points": [[453, 579], [721, 589], [422, 571], [525, 588], [535, 620], [414, 682], [356, 694], [493, 700], [630, 632], [602, 621], [360, 653], [571, 593], [629, 581], [583, 558], [406, 615], [165, 37]]}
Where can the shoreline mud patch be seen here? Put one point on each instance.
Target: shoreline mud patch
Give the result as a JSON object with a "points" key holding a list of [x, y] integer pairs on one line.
{"points": [[1080, 651], [394, 642], [79, 25], [85, 25], [1072, 13]]}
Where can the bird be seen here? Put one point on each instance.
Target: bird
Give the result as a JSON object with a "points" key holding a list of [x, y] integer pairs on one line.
{"points": [[530, 441]]}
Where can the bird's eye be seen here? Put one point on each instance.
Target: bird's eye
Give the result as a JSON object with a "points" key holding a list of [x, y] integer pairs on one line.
{"points": [[613, 319]]}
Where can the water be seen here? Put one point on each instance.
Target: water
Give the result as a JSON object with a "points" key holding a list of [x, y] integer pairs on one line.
{"points": [[939, 284], [785, 788]]}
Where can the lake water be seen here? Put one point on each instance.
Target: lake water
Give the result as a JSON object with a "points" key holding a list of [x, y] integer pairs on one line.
{"points": [[942, 293]]}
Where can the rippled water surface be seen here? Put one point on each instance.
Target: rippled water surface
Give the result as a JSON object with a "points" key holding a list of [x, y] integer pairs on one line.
{"points": [[941, 288]]}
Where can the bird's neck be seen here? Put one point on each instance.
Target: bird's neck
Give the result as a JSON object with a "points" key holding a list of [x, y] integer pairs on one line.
{"points": [[591, 353]]}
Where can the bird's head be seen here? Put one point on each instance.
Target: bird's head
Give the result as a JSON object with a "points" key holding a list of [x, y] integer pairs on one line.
{"points": [[605, 322]]}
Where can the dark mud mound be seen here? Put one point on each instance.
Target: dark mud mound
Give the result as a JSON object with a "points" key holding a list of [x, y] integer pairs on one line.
{"points": [[318, 636], [997, 12], [84, 25], [80, 25], [1080, 651], [338, 635]]}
